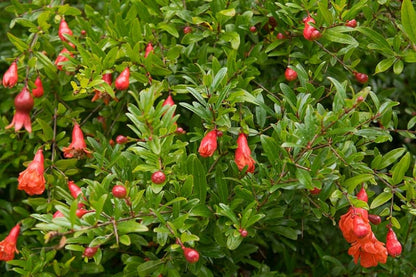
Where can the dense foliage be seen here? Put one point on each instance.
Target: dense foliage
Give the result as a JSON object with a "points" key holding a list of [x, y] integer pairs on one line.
{"points": [[207, 138]]}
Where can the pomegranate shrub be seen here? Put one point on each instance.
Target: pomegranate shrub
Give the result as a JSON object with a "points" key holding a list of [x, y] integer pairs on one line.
{"points": [[207, 138]]}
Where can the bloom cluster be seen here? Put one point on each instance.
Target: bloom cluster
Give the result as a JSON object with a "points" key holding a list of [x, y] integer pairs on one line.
{"points": [[356, 229]]}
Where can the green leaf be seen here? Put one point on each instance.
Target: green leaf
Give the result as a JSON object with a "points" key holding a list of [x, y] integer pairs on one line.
{"points": [[196, 168], [232, 37], [389, 158], [168, 28], [227, 212], [234, 241], [20, 44], [219, 77], [384, 65], [352, 182], [326, 14], [398, 67], [409, 19], [304, 178], [399, 170], [146, 268], [381, 199], [131, 226], [334, 36], [378, 39]]}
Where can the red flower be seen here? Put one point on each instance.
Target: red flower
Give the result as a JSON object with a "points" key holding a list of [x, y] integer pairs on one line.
{"points": [[108, 78], [168, 101], [38, 90], [58, 214], [191, 255], [310, 32], [208, 144], [362, 195], [122, 82], [10, 76], [8, 245], [32, 180], [78, 147], [369, 250], [64, 29], [62, 58], [394, 248], [354, 224], [23, 104], [149, 49], [243, 154]]}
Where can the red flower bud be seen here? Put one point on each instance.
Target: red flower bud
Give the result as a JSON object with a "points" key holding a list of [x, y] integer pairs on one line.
{"points": [[315, 191], [243, 232], [10, 77], [375, 219], [168, 101], [253, 29], [362, 195], [191, 255], [64, 29], [158, 177], [23, 104], [31, 180], [62, 58], [78, 147], [361, 77], [120, 139], [8, 245], [187, 30], [38, 90], [89, 252], [394, 248], [80, 212], [243, 154], [208, 144], [122, 81], [280, 36], [360, 228], [290, 74], [108, 78], [58, 214], [149, 49], [74, 189], [351, 23], [119, 191], [310, 32]]}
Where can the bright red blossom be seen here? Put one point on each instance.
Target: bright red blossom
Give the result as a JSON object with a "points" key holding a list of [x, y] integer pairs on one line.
{"points": [[243, 154], [208, 144], [10, 77], [191, 255], [310, 32], [168, 101], [23, 104], [394, 248], [149, 49], [74, 189], [122, 82], [108, 78], [362, 195], [62, 58], [58, 214], [32, 180], [369, 250], [78, 147], [354, 224], [8, 245], [38, 90], [64, 29]]}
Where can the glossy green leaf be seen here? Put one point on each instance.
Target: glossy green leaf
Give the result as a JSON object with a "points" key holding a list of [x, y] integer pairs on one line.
{"points": [[408, 16]]}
